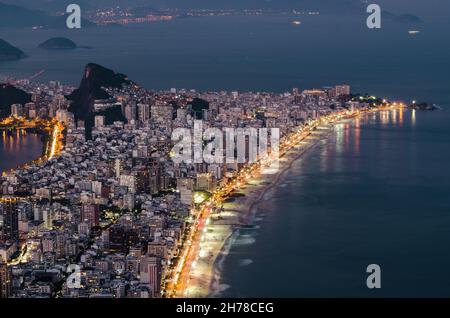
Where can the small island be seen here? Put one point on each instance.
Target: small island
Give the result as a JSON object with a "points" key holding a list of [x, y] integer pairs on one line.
{"points": [[9, 52], [408, 18], [422, 106], [58, 44], [403, 18]]}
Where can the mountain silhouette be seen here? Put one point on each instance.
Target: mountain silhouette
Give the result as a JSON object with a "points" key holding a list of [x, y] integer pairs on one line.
{"points": [[95, 78]]}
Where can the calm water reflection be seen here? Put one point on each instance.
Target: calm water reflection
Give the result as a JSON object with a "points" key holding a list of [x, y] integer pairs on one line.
{"points": [[18, 148], [377, 191]]}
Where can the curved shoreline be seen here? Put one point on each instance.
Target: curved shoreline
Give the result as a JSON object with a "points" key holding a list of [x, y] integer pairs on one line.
{"points": [[217, 266], [270, 186], [198, 267], [50, 139], [29, 145]]}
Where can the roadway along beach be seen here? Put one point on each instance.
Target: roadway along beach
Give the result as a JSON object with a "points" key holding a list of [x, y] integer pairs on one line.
{"points": [[244, 208], [200, 274]]}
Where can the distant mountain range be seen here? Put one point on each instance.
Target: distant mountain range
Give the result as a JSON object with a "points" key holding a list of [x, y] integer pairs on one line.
{"points": [[28, 13], [16, 16], [9, 52], [61, 5], [327, 6], [91, 88]]}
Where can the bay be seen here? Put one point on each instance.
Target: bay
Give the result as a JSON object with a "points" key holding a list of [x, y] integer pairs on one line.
{"points": [[258, 53]]}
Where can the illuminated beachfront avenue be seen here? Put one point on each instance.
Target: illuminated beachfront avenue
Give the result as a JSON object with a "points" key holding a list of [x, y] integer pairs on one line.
{"points": [[117, 208], [187, 269], [50, 127]]}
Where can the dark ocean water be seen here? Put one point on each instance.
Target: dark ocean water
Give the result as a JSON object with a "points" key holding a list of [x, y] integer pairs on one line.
{"points": [[252, 53], [376, 192]]}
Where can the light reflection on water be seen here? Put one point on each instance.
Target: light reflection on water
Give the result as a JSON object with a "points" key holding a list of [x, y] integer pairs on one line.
{"points": [[378, 196], [17, 148]]}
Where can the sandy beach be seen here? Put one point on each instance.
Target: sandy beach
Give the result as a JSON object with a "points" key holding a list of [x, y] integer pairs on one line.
{"points": [[201, 275], [237, 212], [255, 193]]}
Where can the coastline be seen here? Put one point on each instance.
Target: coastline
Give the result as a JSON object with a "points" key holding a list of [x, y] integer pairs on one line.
{"points": [[51, 133], [203, 278], [250, 207]]}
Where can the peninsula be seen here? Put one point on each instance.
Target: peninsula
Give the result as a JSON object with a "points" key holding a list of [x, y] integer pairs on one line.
{"points": [[9, 52]]}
